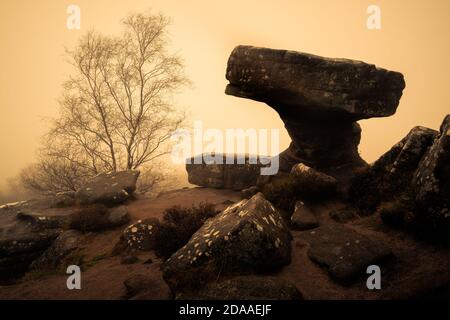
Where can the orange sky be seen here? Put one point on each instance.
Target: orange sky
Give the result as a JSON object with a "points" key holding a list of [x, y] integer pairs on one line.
{"points": [[414, 40]]}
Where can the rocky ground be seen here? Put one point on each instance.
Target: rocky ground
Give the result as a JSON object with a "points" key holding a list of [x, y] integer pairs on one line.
{"points": [[415, 269]]}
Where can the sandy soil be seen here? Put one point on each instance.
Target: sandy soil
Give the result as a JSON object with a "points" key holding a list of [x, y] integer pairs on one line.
{"points": [[418, 268]]}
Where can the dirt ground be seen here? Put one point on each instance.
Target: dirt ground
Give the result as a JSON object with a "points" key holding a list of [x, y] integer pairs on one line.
{"points": [[418, 269]]}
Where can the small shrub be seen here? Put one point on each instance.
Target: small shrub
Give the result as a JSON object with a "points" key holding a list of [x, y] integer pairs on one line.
{"points": [[90, 218], [178, 225], [365, 191], [282, 192]]}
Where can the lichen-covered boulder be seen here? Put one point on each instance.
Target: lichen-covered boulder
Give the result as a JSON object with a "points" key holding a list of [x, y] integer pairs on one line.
{"points": [[343, 251], [312, 83], [249, 236], [316, 182], [432, 181], [19, 251], [391, 175], [108, 188], [66, 243], [141, 235]]}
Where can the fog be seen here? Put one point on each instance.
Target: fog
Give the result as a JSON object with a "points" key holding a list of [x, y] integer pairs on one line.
{"points": [[413, 40]]}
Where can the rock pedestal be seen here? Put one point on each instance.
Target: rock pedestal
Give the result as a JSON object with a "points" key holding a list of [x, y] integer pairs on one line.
{"points": [[319, 100]]}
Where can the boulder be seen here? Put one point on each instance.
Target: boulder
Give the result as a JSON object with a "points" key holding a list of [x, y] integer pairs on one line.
{"points": [[19, 251], [98, 217], [145, 287], [344, 215], [141, 235], [249, 236], [319, 100], [307, 83], [431, 181], [391, 174], [66, 243], [249, 192], [118, 216], [343, 251], [108, 188], [223, 176], [63, 199], [245, 288], [41, 221], [317, 183], [303, 217]]}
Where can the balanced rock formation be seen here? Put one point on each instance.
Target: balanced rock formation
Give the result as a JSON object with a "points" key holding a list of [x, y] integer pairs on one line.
{"points": [[319, 100], [247, 237], [108, 188], [233, 176]]}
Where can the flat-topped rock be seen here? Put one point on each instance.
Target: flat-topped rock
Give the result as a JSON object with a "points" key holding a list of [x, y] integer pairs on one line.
{"points": [[303, 82], [343, 251], [108, 188], [233, 176]]}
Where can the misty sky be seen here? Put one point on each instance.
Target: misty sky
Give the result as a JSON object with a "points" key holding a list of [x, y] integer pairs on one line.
{"points": [[414, 39]]}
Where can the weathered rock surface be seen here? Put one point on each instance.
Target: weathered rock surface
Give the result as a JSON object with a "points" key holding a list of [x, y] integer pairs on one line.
{"points": [[98, 217], [249, 192], [63, 199], [118, 216], [108, 188], [319, 99], [66, 243], [143, 287], [249, 236], [311, 83], [18, 252], [344, 252], [316, 182], [41, 221], [303, 217], [141, 235], [245, 288], [392, 173], [432, 180], [343, 215], [223, 176]]}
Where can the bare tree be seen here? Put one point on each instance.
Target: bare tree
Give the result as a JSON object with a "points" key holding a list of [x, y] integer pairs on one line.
{"points": [[116, 112], [117, 108]]}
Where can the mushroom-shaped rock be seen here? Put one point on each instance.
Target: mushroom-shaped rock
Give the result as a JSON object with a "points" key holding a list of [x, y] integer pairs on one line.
{"points": [[319, 99], [108, 188], [249, 236]]}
